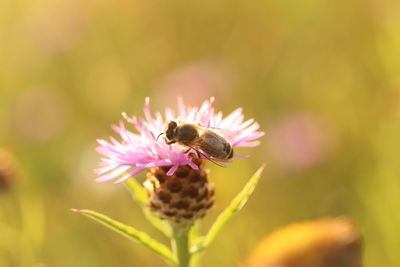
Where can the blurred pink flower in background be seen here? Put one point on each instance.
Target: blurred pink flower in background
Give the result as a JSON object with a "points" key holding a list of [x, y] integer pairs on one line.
{"points": [[195, 81], [299, 142], [56, 26], [40, 114]]}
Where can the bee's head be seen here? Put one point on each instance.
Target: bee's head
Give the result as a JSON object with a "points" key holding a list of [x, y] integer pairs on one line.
{"points": [[171, 130]]}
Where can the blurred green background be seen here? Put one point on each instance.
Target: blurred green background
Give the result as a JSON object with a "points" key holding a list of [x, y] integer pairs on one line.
{"points": [[321, 77]]}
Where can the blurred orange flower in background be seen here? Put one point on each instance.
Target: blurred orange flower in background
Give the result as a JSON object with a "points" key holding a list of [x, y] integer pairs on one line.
{"points": [[331, 242], [7, 169]]}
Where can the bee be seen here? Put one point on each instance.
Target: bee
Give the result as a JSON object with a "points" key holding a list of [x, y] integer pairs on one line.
{"points": [[204, 140]]}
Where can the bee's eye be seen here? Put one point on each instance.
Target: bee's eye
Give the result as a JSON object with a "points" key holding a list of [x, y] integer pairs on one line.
{"points": [[170, 131], [169, 134], [172, 125]]}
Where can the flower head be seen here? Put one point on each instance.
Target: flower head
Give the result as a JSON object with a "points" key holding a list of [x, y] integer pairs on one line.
{"points": [[137, 152], [8, 169], [327, 242]]}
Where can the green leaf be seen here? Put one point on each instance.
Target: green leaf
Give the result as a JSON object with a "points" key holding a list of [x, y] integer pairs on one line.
{"points": [[141, 197], [137, 191], [131, 233], [236, 204]]}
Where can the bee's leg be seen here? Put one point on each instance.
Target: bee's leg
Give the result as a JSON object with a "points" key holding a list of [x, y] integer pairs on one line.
{"points": [[198, 154], [170, 142]]}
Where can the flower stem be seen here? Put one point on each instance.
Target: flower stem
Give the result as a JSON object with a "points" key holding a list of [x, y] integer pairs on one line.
{"points": [[180, 245]]}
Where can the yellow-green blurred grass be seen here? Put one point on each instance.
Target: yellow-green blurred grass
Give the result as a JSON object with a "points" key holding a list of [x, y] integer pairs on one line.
{"points": [[69, 68]]}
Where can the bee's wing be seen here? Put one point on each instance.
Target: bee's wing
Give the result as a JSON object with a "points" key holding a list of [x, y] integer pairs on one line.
{"points": [[213, 160], [210, 144], [227, 134]]}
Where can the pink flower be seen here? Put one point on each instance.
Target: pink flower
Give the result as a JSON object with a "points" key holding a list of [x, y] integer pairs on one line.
{"points": [[300, 141], [137, 152]]}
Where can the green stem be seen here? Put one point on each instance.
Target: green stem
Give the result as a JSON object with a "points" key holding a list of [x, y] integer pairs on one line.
{"points": [[180, 245]]}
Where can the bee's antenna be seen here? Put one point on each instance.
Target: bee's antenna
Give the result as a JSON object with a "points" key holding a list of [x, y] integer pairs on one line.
{"points": [[159, 136]]}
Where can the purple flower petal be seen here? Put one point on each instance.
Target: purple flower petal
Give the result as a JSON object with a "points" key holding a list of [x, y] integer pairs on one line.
{"points": [[133, 173], [142, 150], [172, 170]]}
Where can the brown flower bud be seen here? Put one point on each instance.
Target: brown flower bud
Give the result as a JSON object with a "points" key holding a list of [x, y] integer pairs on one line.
{"points": [[181, 198]]}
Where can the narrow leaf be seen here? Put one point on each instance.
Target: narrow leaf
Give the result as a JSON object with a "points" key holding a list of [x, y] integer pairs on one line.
{"points": [[236, 204], [141, 197], [162, 226], [131, 233], [137, 191]]}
